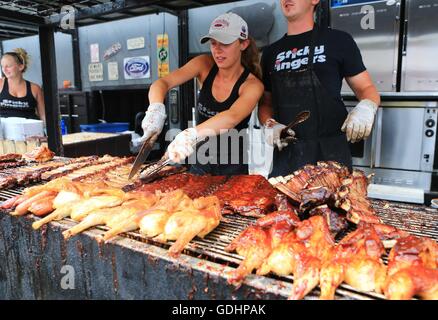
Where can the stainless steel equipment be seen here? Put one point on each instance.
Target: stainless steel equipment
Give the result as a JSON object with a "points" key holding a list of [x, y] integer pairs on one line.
{"points": [[401, 150], [420, 46], [375, 27]]}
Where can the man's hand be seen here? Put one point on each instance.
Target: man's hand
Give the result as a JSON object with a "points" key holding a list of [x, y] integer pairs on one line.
{"points": [[272, 131], [153, 120], [183, 145], [360, 121]]}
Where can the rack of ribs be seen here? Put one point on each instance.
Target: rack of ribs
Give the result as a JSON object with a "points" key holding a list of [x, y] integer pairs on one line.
{"points": [[194, 186], [351, 196], [29, 174], [10, 157], [248, 195]]}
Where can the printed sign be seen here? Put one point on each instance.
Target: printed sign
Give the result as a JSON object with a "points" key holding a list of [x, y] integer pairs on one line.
{"points": [[137, 67], [163, 55], [95, 72], [112, 51], [113, 70], [135, 43], [94, 52]]}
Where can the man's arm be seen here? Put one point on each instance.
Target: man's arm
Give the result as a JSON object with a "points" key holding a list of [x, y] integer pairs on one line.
{"points": [[363, 87]]}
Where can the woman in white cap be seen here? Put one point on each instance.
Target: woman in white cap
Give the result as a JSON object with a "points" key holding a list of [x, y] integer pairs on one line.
{"points": [[19, 97], [231, 87]]}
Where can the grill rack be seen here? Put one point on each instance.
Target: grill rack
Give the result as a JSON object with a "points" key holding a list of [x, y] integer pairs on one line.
{"points": [[416, 219]]}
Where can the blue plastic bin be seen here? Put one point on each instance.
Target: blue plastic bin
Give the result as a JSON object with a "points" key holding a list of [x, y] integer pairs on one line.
{"points": [[105, 127]]}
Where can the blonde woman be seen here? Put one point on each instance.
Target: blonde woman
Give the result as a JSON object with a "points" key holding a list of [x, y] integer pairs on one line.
{"points": [[19, 97]]}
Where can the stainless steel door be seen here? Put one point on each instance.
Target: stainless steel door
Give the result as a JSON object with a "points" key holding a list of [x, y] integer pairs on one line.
{"points": [[399, 141], [420, 50], [379, 46]]}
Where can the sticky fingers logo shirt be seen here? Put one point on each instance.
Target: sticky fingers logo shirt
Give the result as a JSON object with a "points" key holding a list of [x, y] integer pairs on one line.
{"points": [[295, 58], [336, 56]]}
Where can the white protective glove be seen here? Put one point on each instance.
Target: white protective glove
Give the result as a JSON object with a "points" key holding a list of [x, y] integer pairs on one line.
{"points": [[153, 120], [183, 145], [272, 130], [360, 121]]}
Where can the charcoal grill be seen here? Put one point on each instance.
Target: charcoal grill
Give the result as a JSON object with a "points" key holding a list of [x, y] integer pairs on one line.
{"points": [[202, 259]]}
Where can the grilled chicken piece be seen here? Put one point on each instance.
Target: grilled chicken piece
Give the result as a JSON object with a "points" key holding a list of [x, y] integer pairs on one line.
{"points": [[42, 206], [267, 233], [186, 224], [254, 245], [40, 154], [164, 207], [86, 206], [315, 235], [301, 253], [23, 207], [14, 201], [355, 260], [412, 269], [413, 281], [110, 216], [279, 224], [63, 204]]}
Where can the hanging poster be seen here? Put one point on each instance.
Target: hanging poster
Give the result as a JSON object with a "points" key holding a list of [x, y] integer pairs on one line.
{"points": [[163, 55], [135, 43], [95, 72], [137, 67], [94, 52], [113, 70]]}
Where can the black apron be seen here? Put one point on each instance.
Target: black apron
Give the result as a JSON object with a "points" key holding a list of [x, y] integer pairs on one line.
{"points": [[320, 137]]}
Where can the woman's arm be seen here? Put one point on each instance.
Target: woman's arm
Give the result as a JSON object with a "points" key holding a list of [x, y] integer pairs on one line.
{"points": [[192, 69], [38, 94], [251, 91]]}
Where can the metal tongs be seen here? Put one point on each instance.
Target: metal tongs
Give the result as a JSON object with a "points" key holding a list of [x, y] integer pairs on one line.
{"points": [[151, 172], [287, 133]]}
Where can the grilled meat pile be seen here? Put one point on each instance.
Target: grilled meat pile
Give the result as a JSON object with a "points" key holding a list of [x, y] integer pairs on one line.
{"points": [[294, 235], [330, 184], [40, 154]]}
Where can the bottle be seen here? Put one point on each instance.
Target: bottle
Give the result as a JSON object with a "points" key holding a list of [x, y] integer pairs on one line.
{"points": [[63, 127]]}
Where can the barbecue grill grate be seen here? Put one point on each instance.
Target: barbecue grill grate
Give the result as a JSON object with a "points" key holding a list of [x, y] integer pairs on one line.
{"points": [[416, 219]]}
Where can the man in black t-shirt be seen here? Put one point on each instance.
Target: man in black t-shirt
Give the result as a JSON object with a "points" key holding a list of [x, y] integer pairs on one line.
{"points": [[304, 71]]}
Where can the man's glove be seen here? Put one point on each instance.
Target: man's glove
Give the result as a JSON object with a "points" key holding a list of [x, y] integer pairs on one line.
{"points": [[272, 130], [183, 145], [360, 121], [153, 120]]}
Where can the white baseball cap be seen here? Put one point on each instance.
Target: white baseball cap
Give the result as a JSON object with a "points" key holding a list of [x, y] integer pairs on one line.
{"points": [[227, 28]]}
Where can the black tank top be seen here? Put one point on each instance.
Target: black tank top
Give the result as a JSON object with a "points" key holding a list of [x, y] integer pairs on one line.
{"points": [[207, 108], [11, 106]]}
